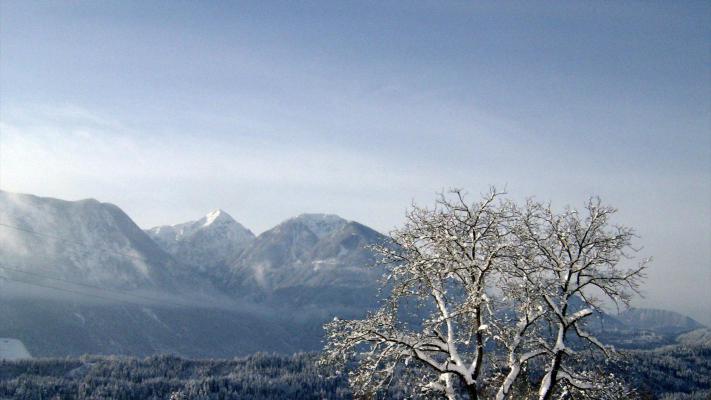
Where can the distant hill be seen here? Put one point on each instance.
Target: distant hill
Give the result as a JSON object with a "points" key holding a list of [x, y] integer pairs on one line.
{"points": [[660, 321]]}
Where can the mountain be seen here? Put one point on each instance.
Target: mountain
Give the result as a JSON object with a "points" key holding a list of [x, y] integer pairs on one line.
{"points": [[87, 242], [311, 250], [272, 292], [94, 282], [659, 321], [208, 243]]}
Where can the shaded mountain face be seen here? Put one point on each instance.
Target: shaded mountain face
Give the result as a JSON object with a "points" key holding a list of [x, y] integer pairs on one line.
{"points": [[660, 321], [311, 250], [81, 241], [211, 242]]}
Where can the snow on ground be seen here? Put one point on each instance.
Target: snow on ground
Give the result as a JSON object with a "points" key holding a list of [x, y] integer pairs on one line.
{"points": [[13, 349]]}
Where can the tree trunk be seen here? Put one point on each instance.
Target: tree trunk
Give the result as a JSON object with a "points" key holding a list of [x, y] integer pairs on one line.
{"points": [[473, 392], [547, 393]]}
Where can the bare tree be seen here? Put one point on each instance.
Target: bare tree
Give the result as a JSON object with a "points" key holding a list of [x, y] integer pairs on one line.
{"points": [[474, 291], [573, 259]]}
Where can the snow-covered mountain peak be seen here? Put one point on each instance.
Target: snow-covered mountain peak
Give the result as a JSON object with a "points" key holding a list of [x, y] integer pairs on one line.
{"points": [[210, 241], [216, 216], [213, 219]]}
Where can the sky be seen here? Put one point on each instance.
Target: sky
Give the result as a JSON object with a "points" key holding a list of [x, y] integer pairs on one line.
{"points": [[272, 109]]}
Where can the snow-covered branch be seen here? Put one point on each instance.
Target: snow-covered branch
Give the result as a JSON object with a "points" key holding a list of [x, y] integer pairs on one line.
{"points": [[494, 285]]}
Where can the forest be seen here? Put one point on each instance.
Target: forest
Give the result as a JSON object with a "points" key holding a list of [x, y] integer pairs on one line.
{"points": [[670, 373]]}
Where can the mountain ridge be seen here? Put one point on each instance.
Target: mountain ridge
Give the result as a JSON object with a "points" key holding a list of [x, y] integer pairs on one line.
{"points": [[290, 278]]}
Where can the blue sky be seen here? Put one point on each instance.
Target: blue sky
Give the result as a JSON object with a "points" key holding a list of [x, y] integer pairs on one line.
{"points": [[271, 109]]}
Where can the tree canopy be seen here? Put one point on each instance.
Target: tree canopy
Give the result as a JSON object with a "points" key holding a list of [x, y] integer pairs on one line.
{"points": [[490, 299]]}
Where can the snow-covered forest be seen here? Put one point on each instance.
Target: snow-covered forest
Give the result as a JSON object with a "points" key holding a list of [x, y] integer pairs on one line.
{"points": [[672, 373]]}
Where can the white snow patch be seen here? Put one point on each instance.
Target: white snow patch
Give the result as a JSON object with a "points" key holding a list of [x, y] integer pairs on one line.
{"points": [[13, 349], [212, 217]]}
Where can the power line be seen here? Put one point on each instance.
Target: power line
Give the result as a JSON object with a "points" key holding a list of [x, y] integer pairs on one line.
{"points": [[117, 291], [66, 290]]}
